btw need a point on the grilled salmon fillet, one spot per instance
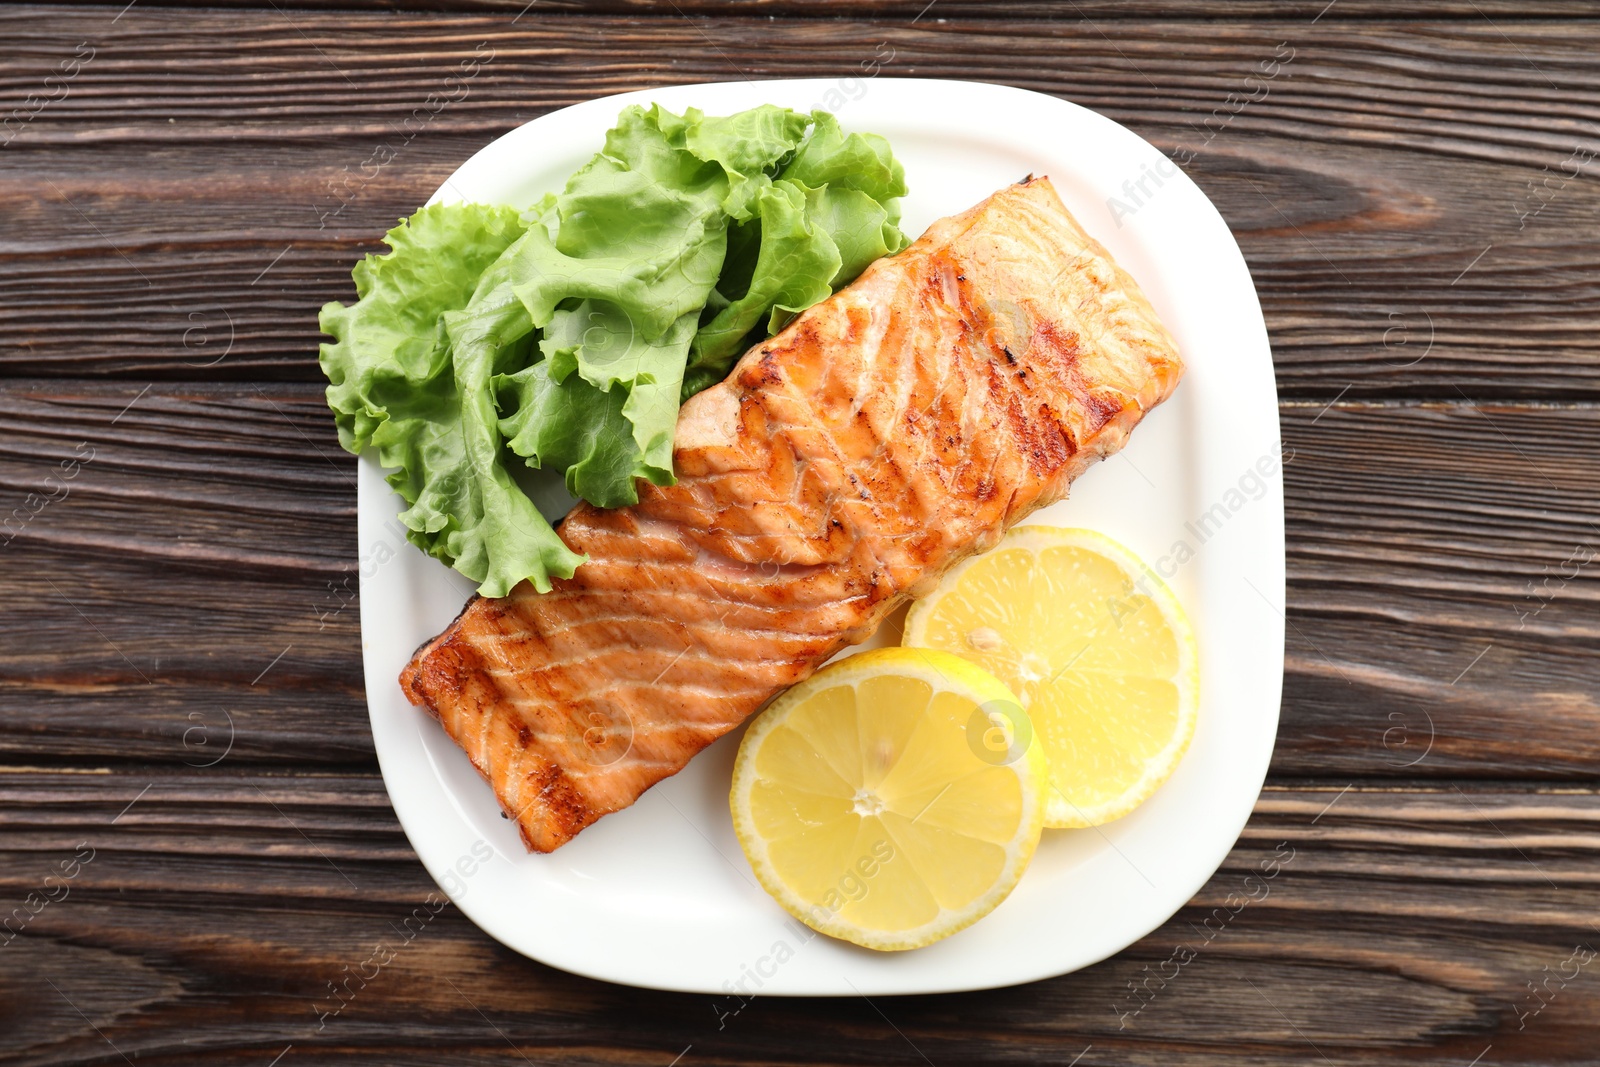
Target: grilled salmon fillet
(844, 465)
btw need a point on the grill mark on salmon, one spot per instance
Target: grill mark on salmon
(844, 465)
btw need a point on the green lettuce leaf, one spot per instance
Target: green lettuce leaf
(794, 262)
(390, 347)
(409, 375)
(832, 210)
(859, 161)
(561, 421)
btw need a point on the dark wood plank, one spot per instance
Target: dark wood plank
(183, 208)
(212, 537)
(1444, 568)
(166, 546)
(918, 10)
(1367, 926)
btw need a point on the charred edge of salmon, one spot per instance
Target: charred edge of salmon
(445, 669)
(441, 670)
(563, 806)
(411, 676)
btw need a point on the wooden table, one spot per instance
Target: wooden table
(195, 839)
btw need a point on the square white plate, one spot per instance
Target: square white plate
(660, 895)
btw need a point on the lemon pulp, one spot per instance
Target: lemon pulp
(892, 799)
(1095, 646)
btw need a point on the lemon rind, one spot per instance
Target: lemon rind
(940, 669)
(1061, 813)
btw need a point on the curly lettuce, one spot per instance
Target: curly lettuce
(563, 338)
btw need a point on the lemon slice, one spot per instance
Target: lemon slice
(892, 798)
(1094, 644)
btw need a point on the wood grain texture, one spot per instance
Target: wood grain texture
(180, 679)
(918, 10)
(1410, 553)
(210, 911)
(1398, 190)
(1444, 569)
(166, 546)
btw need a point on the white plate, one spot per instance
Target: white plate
(660, 895)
